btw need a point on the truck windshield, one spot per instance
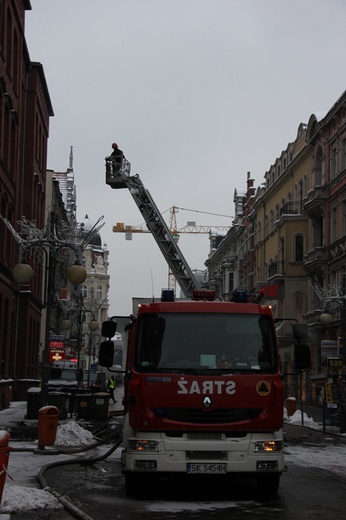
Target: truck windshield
(200, 341)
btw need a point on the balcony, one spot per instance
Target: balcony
(292, 207)
(315, 260)
(276, 269)
(314, 202)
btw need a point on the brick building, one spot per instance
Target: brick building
(25, 109)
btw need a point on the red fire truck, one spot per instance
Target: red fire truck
(203, 392)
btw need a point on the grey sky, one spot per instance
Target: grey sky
(195, 92)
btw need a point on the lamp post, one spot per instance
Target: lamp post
(55, 242)
(326, 319)
(93, 325)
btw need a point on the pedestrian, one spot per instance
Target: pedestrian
(117, 157)
(111, 387)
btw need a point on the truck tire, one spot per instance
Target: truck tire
(268, 485)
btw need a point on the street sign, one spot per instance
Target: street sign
(335, 362)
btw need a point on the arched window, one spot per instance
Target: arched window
(299, 304)
(299, 248)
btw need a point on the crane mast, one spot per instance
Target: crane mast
(117, 177)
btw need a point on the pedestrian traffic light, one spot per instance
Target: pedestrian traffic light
(106, 354)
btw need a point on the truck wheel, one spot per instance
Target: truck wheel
(268, 485)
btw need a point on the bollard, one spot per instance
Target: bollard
(4, 456)
(291, 406)
(48, 417)
(10, 395)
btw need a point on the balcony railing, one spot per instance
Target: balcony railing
(315, 259)
(276, 268)
(292, 207)
(315, 200)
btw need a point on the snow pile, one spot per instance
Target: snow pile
(18, 499)
(24, 467)
(71, 434)
(296, 418)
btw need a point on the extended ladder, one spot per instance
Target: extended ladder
(118, 176)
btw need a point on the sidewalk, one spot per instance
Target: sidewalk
(23, 495)
(24, 467)
(307, 428)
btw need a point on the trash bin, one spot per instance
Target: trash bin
(100, 405)
(291, 406)
(48, 417)
(4, 455)
(83, 406)
(60, 400)
(33, 404)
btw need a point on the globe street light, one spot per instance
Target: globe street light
(55, 242)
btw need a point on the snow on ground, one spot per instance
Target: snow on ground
(328, 457)
(332, 458)
(23, 493)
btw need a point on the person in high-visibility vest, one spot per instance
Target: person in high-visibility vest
(111, 387)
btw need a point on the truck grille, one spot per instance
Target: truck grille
(206, 455)
(215, 416)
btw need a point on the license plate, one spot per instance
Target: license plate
(198, 468)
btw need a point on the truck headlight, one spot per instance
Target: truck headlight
(268, 446)
(143, 445)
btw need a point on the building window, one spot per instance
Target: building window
(266, 225)
(333, 225)
(230, 282)
(99, 292)
(84, 291)
(332, 164)
(343, 217)
(282, 255)
(271, 220)
(299, 248)
(299, 306)
(343, 155)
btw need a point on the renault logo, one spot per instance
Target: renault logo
(207, 402)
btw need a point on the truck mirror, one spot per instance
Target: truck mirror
(109, 328)
(106, 354)
(302, 356)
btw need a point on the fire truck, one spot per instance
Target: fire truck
(203, 389)
(203, 392)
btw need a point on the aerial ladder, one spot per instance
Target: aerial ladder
(191, 228)
(117, 177)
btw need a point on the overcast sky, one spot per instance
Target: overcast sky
(195, 92)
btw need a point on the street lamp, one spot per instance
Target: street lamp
(93, 325)
(326, 320)
(55, 242)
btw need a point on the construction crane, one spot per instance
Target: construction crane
(118, 177)
(190, 228)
